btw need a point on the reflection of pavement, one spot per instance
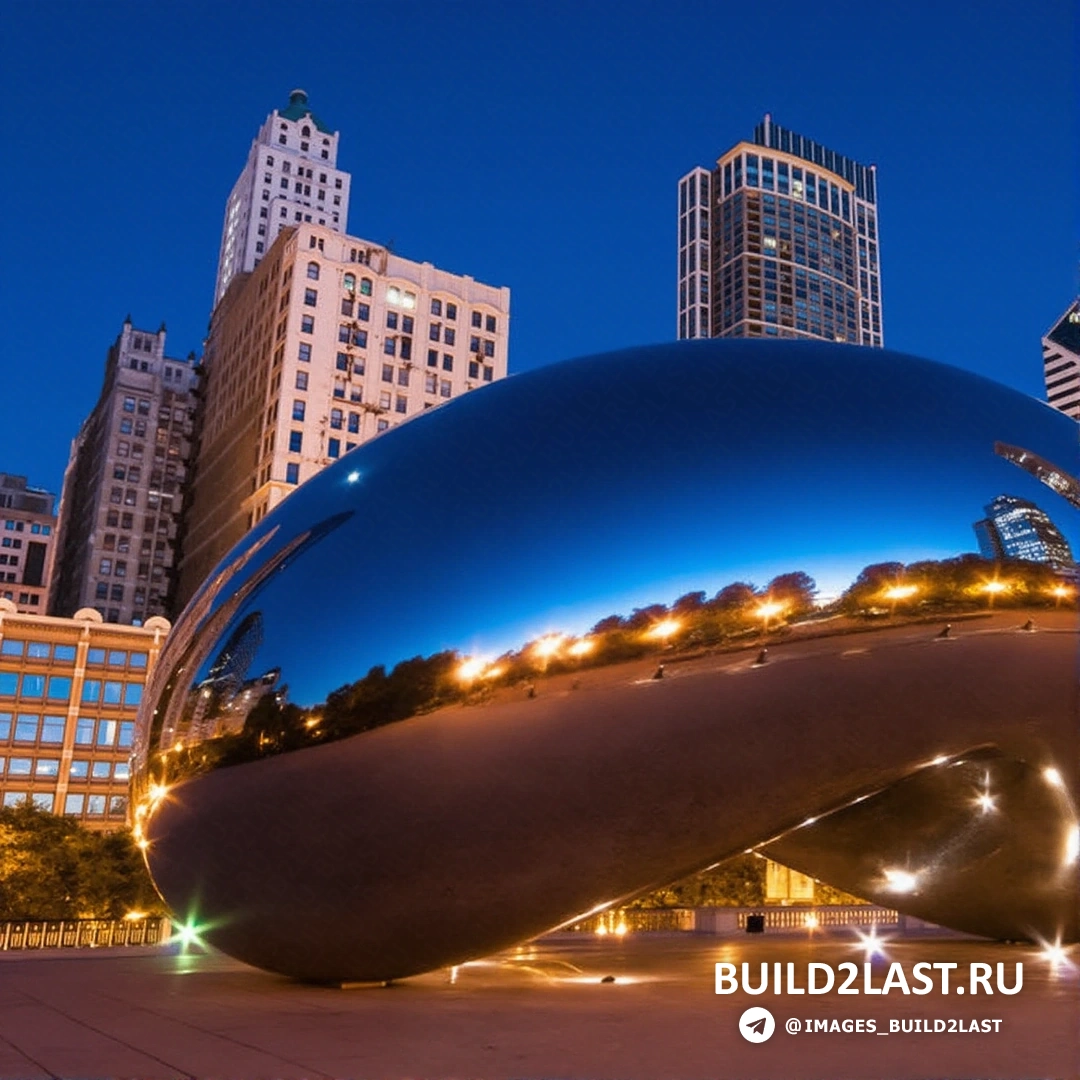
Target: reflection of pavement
(538, 1011)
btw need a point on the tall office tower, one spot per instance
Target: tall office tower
(781, 240)
(1061, 362)
(290, 178)
(27, 531)
(1017, 529)
(123, 487)
(328, 342)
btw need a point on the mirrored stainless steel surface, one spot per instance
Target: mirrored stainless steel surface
(492, 670)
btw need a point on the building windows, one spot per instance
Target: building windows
(365, 286)
(307, 324)
(444, 388)
(333, 448)
(299, 407)
(313, 271)
(292, 473)
(302, 379)
(451, 311)
(311, 297)
(363, 312)
(434, 331)
(477, 319)
(391, 320)
(303, 353)
(448, 334)
(388, 373)
(390, 346)
(403, 376)
(354, 423)
(474, 369)
(382, 425)
(296, 442)
(384, 399)
(401, 404)
(489, 373)
(337, 418)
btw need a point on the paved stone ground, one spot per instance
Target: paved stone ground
(541, 1011)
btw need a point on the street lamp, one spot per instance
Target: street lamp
(992, 588)
(1059, 593)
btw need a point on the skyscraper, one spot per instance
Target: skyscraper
(330, 341)
(1017, 529)
(1061, 362)
(290, 177)
(780, 239)
(124, 485)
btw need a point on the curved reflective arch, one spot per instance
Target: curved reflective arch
(462, 687)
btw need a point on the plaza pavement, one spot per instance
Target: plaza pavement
(539, 1011)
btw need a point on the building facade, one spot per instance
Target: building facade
(69, 693)
(124, 484)
(1061, 362)
(27, 534)
(330, 341)
(780, 239)
(290, 177)
(1015, 528)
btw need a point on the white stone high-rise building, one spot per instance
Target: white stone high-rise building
(330, 341)
(290, 178)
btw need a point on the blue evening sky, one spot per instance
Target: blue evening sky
(530, 145)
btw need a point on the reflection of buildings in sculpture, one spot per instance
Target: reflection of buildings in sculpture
(1055, 478)
(787, 244)
(1061, 362)
(1017, 529)
(223, 699)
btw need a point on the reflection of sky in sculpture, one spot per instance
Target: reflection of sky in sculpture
(577, 491)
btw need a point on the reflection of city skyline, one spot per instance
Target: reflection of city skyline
(1016, 528)
(793, 456)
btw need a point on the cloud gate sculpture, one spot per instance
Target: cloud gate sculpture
(426, 709)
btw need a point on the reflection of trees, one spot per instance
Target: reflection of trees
(953, 584)
(691, 623)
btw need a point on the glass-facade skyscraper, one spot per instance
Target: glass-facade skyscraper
(780, 239)
(1017, 529)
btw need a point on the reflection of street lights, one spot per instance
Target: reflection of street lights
(992, 588)
(1059, 593)
(663, 630)
(766, 611)
(898, 592)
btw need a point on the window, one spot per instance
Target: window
(354, 423)
(431, 383)
(474, 369)
(406, 348)
(47, 767)
(26, 727)
(95, 804)
(477, 319)
(388, 373)
(436, 307)
(347, 306)
(447, 362)
(73, 804)
(313, 271)
(434, 331)
(401, 404)
(59, 688)
(311, 297)
(363, 312)
(489, 348)
(342, 361)
(105, 566)
(296, 442)
(448, 335)
(474, 344)
(451, 311)
(111, 695)
(333, 448)
(489, 324)
(433, 358)
(391, 320)
(365, 286)
(307, 324)
(91, 691)
(303, 354)
(298, 409)
(403, 376)
(127, 734)
(292, 473)
(489, 373)
(390, 346)
(133, 693)
(444, 388)
(337, 418)
(301, 380)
